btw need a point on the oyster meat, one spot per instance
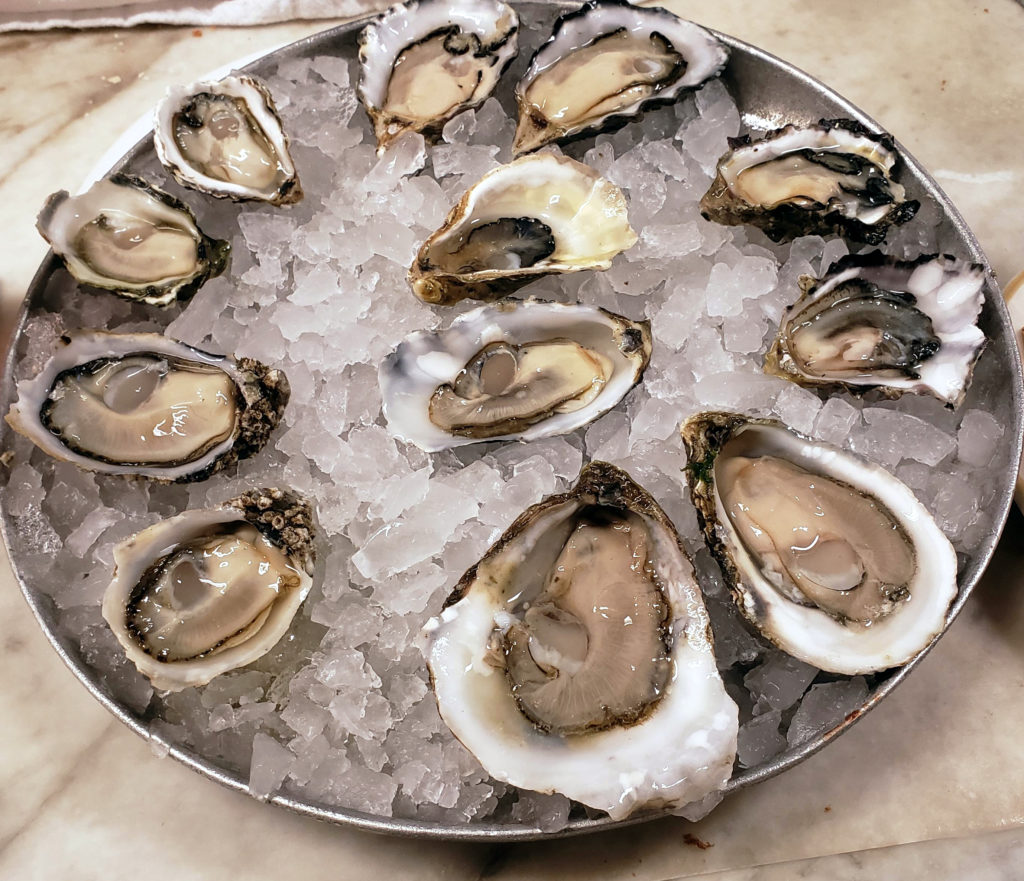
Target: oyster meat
(876, 322)
(210, 590)
(576, 656)
(605, 63)
(143, 404)
(514, 370)
(225, 139)
(833, 177)
(125, 235)
(537, 215)
(831, 558)
(424, 61)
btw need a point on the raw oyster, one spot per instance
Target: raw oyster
(833, 177)
(830, 557)
(514, 370)
(876, 322)
(606, 63)
(127, 236)
(424, 61)
(225, 138)
(537, 215)
(576, 656)
(143, 404)
(211, 590)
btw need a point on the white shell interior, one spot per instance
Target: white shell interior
(704, 54)
(587, 214)
(86, 346)
(810, 634)
(677, 755)
(131, 559)
(400, 26)
(71, 213)
(425, 360)
(950, 292)
(169, 153)
(793, 139)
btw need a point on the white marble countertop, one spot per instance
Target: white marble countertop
(928, 785)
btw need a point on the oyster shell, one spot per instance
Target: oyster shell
(833, 177)
(604, 64)
(514, 370)
(576, 656)
(143, 404)
(225, 139)
(876, 322)
(424, 61)
(211, 590)
(831, 558)
(125, 235)
(537, 215)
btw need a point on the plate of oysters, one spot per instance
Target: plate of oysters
(504, 421)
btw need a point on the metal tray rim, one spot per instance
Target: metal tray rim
(496, 831)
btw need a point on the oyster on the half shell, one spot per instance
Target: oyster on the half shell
(210, 590)
(605, 63)
(830, 557)
(876, 322)
(144, 404)
(125, 235)
(576, 656)
(424, 61)
(832, 177)
(225, 139)
(537, 215)
(512, 371)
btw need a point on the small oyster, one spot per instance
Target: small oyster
(537, 215)
(514, 370)
(876, 322)
(424, 61)
(576, 656)
(210, 590)
(607, 62)
(833, 177)
(143, 404)
(829, 557)
(127, 236)
(225, 138)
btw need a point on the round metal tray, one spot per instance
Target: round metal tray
(769, 93)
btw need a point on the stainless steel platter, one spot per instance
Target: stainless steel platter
(770, 93)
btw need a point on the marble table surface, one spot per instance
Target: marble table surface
(927, 786)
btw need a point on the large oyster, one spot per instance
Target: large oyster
(211, 590)
(514, 370)
(143, 404)
(576, 656)
(424, 61)
(876, 322)
(830, 557)
(225, 138)
(127, 236)
(537, 215)
(607, 62)
(833, 177)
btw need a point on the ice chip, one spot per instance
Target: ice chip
(824, 707)
(270, 765)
